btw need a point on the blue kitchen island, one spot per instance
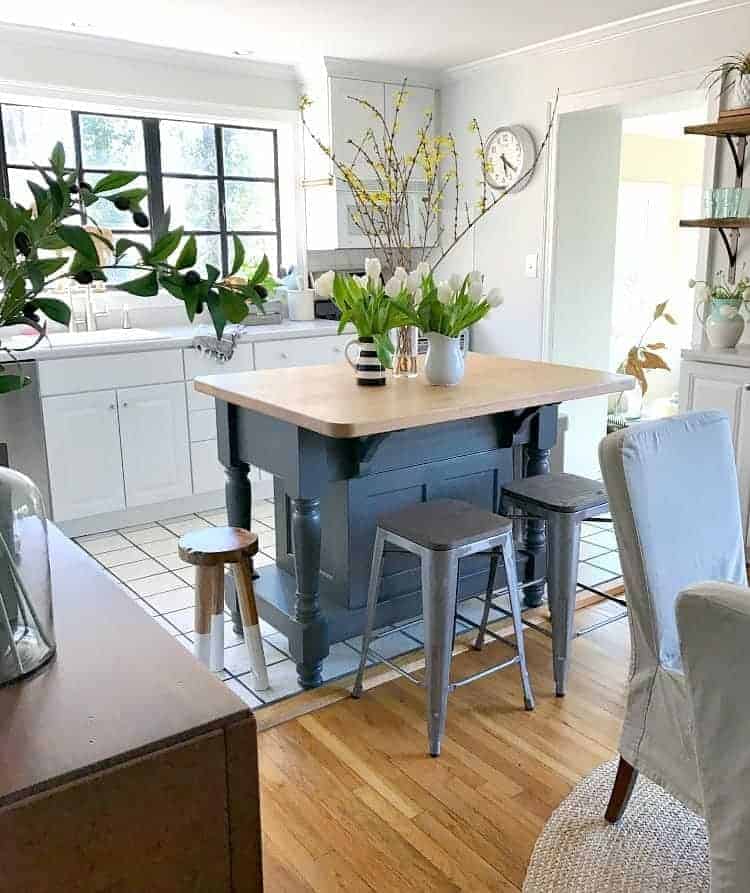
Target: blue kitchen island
(342, 455)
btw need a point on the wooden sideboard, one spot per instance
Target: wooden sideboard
(124, 764)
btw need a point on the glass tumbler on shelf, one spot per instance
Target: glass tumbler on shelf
(405, 356)
(27, 636)
(709, 203)
(743, 206)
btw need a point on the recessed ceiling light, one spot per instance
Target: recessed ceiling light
(243, 52)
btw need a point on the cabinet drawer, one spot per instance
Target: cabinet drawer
(300, 351)
(197, 363)
(203, 425)
(77, 374)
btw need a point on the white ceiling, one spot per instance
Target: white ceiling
(437, 34)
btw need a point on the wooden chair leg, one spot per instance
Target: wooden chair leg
(625, 781)
(216, 663)
(204, 609)
(243, 574)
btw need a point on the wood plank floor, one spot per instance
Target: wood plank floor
(351, 801)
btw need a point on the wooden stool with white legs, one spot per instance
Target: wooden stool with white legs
(208, 551)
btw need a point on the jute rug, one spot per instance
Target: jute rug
(659, 845)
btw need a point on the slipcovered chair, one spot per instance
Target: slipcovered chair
(674, 500)
(714, 625)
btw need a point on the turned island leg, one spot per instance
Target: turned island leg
(305, 524)
(537, 456)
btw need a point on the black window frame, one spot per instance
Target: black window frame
(155, 176)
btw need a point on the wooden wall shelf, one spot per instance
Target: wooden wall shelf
(738, 125)
(718, 223)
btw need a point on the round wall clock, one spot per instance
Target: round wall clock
(510, 153)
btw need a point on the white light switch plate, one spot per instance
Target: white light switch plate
(532, 266)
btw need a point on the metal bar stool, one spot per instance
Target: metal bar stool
(209, 550)
(440, 533)
(563, 501)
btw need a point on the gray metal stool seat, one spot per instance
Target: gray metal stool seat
(563, 501)
(440, 533)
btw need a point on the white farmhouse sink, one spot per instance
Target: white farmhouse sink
(106, 336)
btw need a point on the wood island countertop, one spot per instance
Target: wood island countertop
(327, 399)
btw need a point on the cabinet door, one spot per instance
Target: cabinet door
(83, 454)
(155, 451)
(411, 118)
(351, 120)
(742, 452)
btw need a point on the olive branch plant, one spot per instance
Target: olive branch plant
(29, 235)
(382, 208)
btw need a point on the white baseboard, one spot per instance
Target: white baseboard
(157, 512)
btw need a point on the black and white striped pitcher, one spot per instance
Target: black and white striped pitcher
(368, 369)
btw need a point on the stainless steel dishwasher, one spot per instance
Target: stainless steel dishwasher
(22, 429)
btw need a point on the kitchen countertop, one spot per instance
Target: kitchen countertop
(117, 341)
(736, 356)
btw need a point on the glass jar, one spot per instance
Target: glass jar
(27, 636)
(405, 356)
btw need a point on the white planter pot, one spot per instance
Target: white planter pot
(740, 98)
(444, 365)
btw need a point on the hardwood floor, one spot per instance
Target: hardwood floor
(351, 801)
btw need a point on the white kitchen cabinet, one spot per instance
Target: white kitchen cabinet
(351, 120)
(727, 388)
(300, 351)
(154, 437)
(83, 454)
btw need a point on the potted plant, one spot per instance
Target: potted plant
(364, 303)
(642, 358)
(720, 310)
(56, 223)
(442, 311)
(733, 72)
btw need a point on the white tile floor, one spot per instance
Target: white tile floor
(144, 558)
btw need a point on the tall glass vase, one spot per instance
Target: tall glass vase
(405, 357)
(27, 638)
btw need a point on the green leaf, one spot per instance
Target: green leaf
(10, 383)
(133, 196)
(217, 317)
(122, 245)
(239, 254)
(52, 243)
(80, 240)
(56, 310)
(165, 246)
(188, 255)
(261, 271)
(41, 195)
(212, 274)
(144, 286)
(233, 305)
(57, 159)
(115, 180)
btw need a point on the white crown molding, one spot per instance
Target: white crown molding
(92, 45)
(377, 71)
(589, 37)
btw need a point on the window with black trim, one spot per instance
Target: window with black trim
(218, 180)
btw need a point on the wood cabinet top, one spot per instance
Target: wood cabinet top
(119, 687)
(328, 400)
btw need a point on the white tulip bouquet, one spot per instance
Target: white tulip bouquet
(449, 307)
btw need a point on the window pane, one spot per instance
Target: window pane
(248, 153)
(115, 143)
(209, 252)
(251, 205)
(194, 203)
(131, 256)
(187, 148)
(31, 133)
(255, 248)
(106, 214)
(18, 182)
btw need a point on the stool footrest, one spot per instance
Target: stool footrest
(487, 672)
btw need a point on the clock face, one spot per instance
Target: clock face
(510, 152)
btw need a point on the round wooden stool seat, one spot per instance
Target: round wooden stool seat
(217, 545)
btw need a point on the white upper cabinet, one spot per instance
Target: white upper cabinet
(351, 120)
(83, 453)
(155, 451)
(411, 119)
